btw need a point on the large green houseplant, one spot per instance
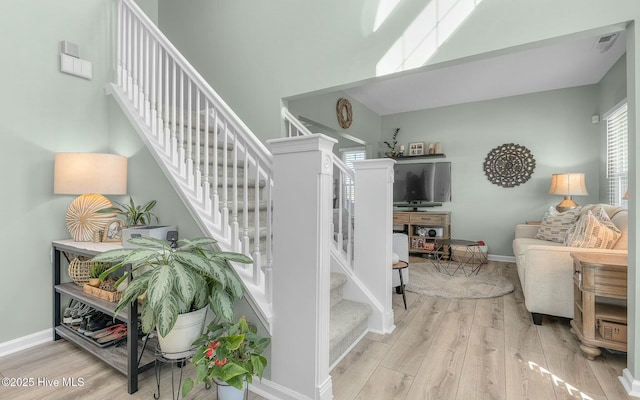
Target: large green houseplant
(175, 281)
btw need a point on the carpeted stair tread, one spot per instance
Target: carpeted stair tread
(348, 322)
(337, 282)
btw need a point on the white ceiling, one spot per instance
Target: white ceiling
(561, 65)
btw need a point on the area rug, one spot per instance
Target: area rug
(425, 279)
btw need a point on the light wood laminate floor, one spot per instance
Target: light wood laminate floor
(440, 349)
(453, 349)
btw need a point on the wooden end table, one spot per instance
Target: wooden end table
(603, 275)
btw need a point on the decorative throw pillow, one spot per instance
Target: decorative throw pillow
(554, 226)
(595, 231)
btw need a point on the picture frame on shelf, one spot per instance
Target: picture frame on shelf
(416, 149)
(113, 231)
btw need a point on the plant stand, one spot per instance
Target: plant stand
(179, 363)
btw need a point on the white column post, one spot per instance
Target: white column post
(631, 375)
(302, 193)
(373, 228)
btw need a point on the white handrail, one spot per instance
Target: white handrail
(343, 207)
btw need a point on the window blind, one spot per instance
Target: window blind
(349, 156)
(353, 154)
(617, 154)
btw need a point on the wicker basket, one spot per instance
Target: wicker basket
(80, 270)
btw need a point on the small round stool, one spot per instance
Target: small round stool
(399, 266)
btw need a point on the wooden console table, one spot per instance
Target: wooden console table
(423, 228)
(603, 275)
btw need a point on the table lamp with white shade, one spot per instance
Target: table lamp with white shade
(90, 175)
(567, 185)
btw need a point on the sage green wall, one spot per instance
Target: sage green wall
(500, 24)
(613, 89)
(255, 54)
(321, 108)
(43, 111)
(554, 125)
(150, 7)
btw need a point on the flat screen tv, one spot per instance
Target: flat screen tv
(424, 184)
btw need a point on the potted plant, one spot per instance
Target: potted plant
(229, 354)
(134, 215)
(392, 146)
(94, 273)
(176, 285)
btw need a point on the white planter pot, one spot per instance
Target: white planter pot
(227, 392)
(187, 329)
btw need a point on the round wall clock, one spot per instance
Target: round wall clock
(509, 165)
(344, 113)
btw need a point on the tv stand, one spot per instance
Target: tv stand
(423, 228)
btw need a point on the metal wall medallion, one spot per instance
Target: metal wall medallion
(509, 165)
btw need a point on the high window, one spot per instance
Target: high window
(617, 154)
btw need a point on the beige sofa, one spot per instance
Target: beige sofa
(545, 268)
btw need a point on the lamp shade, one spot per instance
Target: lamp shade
(81, 173)
(569, 184)
(90, 175)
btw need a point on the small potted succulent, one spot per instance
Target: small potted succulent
(230, 354)
(176, 286)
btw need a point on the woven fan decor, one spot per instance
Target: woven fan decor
(82, 218)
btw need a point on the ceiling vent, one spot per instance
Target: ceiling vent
(605, 42)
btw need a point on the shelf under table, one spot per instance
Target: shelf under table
(107, 307)
(116, 356)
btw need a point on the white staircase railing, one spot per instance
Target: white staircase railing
(217, 165)
(367, 269)
(224, 176)
(343, 196)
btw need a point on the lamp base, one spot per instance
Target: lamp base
(566, 204)
(82, 218)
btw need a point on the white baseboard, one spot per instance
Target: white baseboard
(325, 390)
(25, 342)
(509, 259)
(631, 385)
(272, 391)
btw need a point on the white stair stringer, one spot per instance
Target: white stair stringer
(207, 217)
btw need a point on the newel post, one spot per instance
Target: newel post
(303, 170)
(373, 229)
